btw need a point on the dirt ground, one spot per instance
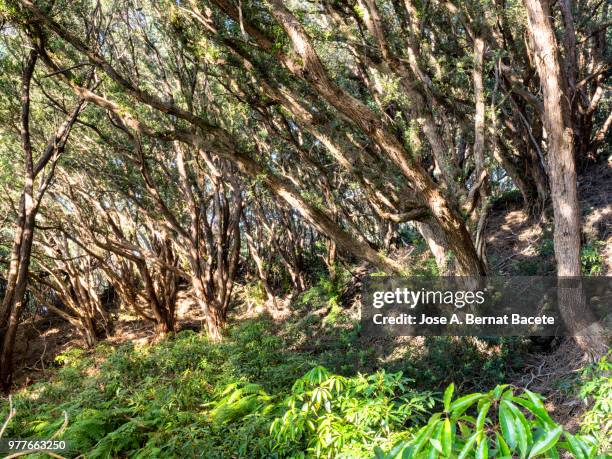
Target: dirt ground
(518, 244)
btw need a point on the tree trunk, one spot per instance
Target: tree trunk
(558, 121)
(561, 161)
(88, 331)
(438, 246)
(15, 294)
(215, 321)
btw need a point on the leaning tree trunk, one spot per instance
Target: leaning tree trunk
(561, 162)
(15, 294)
(14, 300)
(438, 245)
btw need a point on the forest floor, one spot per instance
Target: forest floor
(517, 245)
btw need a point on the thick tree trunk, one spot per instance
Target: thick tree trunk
(533, 188)
(481, 181)
(438, 246)
(13, 270)
(88, 330)
(215, 322)
(561, 161)
(558, 121)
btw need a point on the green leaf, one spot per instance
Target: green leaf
(539, 410)
(503, 446)
(459, 406)
(464, 429)
(498, 391)
(468, 446)
(379, 453)
(523, 429)
(436, 444)
(508, 428)
(447, 438)
(546, 442)
(482, 415)
(422, 437)
(554, 454)
(518, 414)
(399, 448)
(433, 453)
(448, 395)
(483, 449)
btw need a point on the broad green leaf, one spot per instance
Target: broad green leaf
(423, 437)
(539, 409)
(482, 415)
(483, 449)
(508, 427)
(523, 432)
(523, 420)
(448, 395)
(468, 446)
(436, 444)
(408, 453)
(459, 406)
(503, 446)
(548, 440)
(433, 453)
(588, 445)
(399, 448)
(447, 438)
(498, 391)
(436, 437)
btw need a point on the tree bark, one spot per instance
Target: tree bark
(15, 294)
(438, 245)
(561, 160)
(558, 121)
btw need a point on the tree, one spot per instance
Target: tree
(561, 156)
(37, 171)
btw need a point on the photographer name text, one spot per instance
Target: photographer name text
(467, 319)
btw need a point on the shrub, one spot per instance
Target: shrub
(332, 416)
(494, 424)
(596, 389)
(592, 261)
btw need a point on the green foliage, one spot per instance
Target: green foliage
(596, 390)
(498, 423)
(591, 260)
(547, 248)
(327, 292)
(507, 199)
(249, 396)
(238, 401)
(332, 416)
(480, 362)
(253, 293)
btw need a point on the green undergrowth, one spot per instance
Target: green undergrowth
(308, 388)
(595, 389)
